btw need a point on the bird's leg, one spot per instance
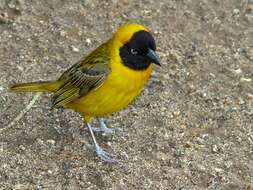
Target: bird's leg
(103, 128)
(103, 155)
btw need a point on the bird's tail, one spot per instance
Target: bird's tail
(45, 86)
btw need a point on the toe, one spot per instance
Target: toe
(105, 156)
(96, 129)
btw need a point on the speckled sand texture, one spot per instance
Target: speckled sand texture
(192, 127)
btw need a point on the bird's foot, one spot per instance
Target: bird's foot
(103, 155)
(103, 129)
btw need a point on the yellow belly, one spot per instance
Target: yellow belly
(119, 89)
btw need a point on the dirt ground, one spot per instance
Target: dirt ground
(192, 127)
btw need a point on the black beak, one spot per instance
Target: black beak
(153, 57)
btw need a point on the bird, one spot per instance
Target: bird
(105, 81)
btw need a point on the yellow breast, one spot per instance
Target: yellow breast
(119, 89)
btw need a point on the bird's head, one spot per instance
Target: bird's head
(138, 48)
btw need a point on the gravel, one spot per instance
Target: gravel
(192, 127)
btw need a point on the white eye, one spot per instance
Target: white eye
(134, 51)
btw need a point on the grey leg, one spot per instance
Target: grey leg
(102, 128)
(103, 155)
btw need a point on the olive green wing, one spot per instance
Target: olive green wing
(86, 75)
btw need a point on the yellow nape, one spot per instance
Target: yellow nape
(126, 31)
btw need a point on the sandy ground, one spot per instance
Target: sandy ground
(192, 127)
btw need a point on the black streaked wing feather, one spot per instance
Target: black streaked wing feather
(86, 75)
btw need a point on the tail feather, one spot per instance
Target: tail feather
(45, 86)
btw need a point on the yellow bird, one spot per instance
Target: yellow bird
(105, 81)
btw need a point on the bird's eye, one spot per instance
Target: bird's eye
(134, 51)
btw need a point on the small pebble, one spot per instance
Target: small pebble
(241, 101)
(245, 79)
(88, 41)
(237, 71)
(216, 21)
(176, 113)
(22, 147)
(236, 12)
(250, 8)
(4, 18)
(215, 149)
(63, 33)
(250, 52)
(51, 141)
(212, 75)
(250, 95)
(74, 49)
(218, 170)
(170, 116)
(188, 144)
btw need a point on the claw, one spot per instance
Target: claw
(103, 155)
